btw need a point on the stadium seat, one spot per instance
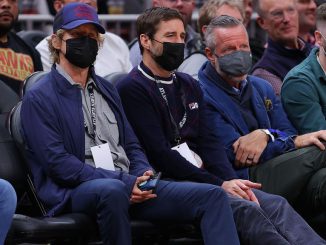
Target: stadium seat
(115, 77)
(32, 37)
(33, 227)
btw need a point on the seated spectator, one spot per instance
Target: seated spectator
(307, 19)
(248, 119)
(185, 7)
(8, 201)
(84, 156)
(285, 49)
(167, 112)
(113, 55)
(303, 91)
(17, 59)
(207, 12)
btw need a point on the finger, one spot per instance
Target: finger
(248, 163)
(142, 178)
(242, 193)
(235, 146)
(250, 184)
(242, 185)
(233, 193)
(256, 158)
(319, 144)
(135, 199)
(244, 157)
(240, 158)
(252, 196)
(148, 173)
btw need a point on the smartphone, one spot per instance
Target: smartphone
(151, 183)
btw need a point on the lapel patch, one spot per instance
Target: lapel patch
(193, 106)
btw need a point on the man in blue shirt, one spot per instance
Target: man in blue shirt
(247, 117)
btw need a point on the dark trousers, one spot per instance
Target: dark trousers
(297, 175)
(108, 201)
(273, 222)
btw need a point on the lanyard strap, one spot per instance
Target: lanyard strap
(176, 127)
(92, 112)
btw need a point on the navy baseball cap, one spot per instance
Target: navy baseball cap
(73, 15)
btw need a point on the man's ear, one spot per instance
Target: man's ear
(203, 29)
(210, 55)
(319, 38)
(145, 41)
(261, 22)
(56, 41)
(57, 5)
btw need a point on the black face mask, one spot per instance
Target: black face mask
(172, 55)
(81, 51)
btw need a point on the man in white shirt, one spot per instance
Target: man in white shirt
(113, 55)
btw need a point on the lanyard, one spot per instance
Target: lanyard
(176, 127)
(93, 111)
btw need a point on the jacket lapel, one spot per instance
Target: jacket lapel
(225, 106)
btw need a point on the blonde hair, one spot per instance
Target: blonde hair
(208, 11)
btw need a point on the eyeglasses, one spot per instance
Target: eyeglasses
(183, 1)
(278, 15)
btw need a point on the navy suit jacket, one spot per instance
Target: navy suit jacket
(226, 121)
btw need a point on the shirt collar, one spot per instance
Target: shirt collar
(63, 73)
(148, 73)
(243, 84)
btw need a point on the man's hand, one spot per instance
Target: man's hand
(137, 195)
(314, 138)
(249, 148)
(242, 189)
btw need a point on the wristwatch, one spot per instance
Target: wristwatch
(269, 134)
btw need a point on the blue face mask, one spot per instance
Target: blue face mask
(235, 64)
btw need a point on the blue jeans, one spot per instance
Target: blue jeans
(8, 201)
(273, 222)
(107, 200)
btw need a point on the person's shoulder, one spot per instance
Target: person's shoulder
(188, 80)
(260, 84)
(306, 68)
(17, 40)
(41, 89)
(43, 44)
(114, 39)
(133, 79)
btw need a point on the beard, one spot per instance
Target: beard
(6, 27)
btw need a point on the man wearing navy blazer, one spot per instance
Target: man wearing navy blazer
(248, 119)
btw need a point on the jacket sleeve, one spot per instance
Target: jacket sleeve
(281, 128)
(146, 121)
(303, 104)
(46, 147)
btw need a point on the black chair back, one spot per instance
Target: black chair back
(32, 37)
(115, 77)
